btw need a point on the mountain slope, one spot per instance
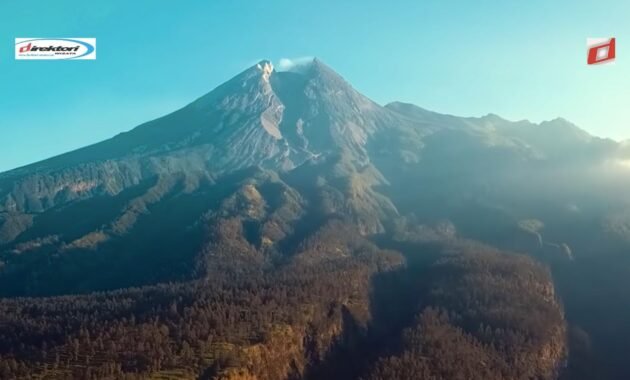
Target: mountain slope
(260, 117)
(170, 173)
(341, 154)
(273, 180)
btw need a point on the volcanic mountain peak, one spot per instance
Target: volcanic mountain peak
(261, 117)
(276, 120)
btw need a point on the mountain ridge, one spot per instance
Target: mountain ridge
(277, 120)
(316, 68)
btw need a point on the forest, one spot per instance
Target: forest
(340, 307)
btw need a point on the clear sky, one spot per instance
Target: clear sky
(518, 59)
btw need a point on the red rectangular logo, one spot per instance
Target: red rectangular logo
(600, 50)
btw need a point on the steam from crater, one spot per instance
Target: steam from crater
(294, 64)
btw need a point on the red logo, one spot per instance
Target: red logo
(600, 50)
(25, 48)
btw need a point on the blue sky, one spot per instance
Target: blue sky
(518, 59)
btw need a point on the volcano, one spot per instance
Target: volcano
(292, 188)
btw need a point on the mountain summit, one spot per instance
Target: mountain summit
(262, 117)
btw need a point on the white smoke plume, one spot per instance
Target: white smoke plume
(293, 64)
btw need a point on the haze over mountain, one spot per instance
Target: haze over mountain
(292, 179)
